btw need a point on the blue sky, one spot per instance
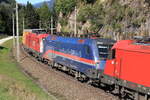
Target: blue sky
(31, 1)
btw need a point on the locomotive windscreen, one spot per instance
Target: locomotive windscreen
(39, 31)
(104, 50)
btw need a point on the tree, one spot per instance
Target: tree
(2, 24)
(89, 1)
(7, 1)
(45, 16)
(31, 17)
(65, 6)
(21, 18)
(6, 11)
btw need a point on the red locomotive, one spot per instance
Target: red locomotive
(129, 66)
(32, 38)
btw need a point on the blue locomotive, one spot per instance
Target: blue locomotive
(86, 57)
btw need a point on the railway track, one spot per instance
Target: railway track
(78, 90)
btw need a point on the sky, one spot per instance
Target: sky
(31, 1)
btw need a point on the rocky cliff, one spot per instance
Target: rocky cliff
(117, 19)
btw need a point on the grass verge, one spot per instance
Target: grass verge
(14, 85)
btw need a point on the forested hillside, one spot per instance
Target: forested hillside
(118, 19)
(6, 9)
(32, 17)
(50, 4)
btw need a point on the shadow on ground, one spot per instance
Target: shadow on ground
(1, 48)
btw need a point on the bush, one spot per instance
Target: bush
(85, 13)
(65, 6)
(63, 21)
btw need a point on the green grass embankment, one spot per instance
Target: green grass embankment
(14, 85)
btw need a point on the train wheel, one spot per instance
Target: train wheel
(89, 82)
(136, 96)
(140, 97)
(116, 89)
(76, 75)
(123, 94)
(148, 97)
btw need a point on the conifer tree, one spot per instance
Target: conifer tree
(45, 16)
(31, 17)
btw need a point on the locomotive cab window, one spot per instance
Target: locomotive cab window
(112, 54)
(39, 31)
(87, 50)
(42, 31)
(104, 50)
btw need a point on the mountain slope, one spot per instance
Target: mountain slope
(50, 4)
(7, 1)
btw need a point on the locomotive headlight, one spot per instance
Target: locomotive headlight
(113, 62)
(41, 46)
(97, 65)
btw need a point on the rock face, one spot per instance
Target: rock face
(121, 18)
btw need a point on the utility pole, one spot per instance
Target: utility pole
(13, 30)
(148, 30)
(40, 24)
(17, 30)
(75, 24)
(51, 25)
(148, 26)
(23, 23)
